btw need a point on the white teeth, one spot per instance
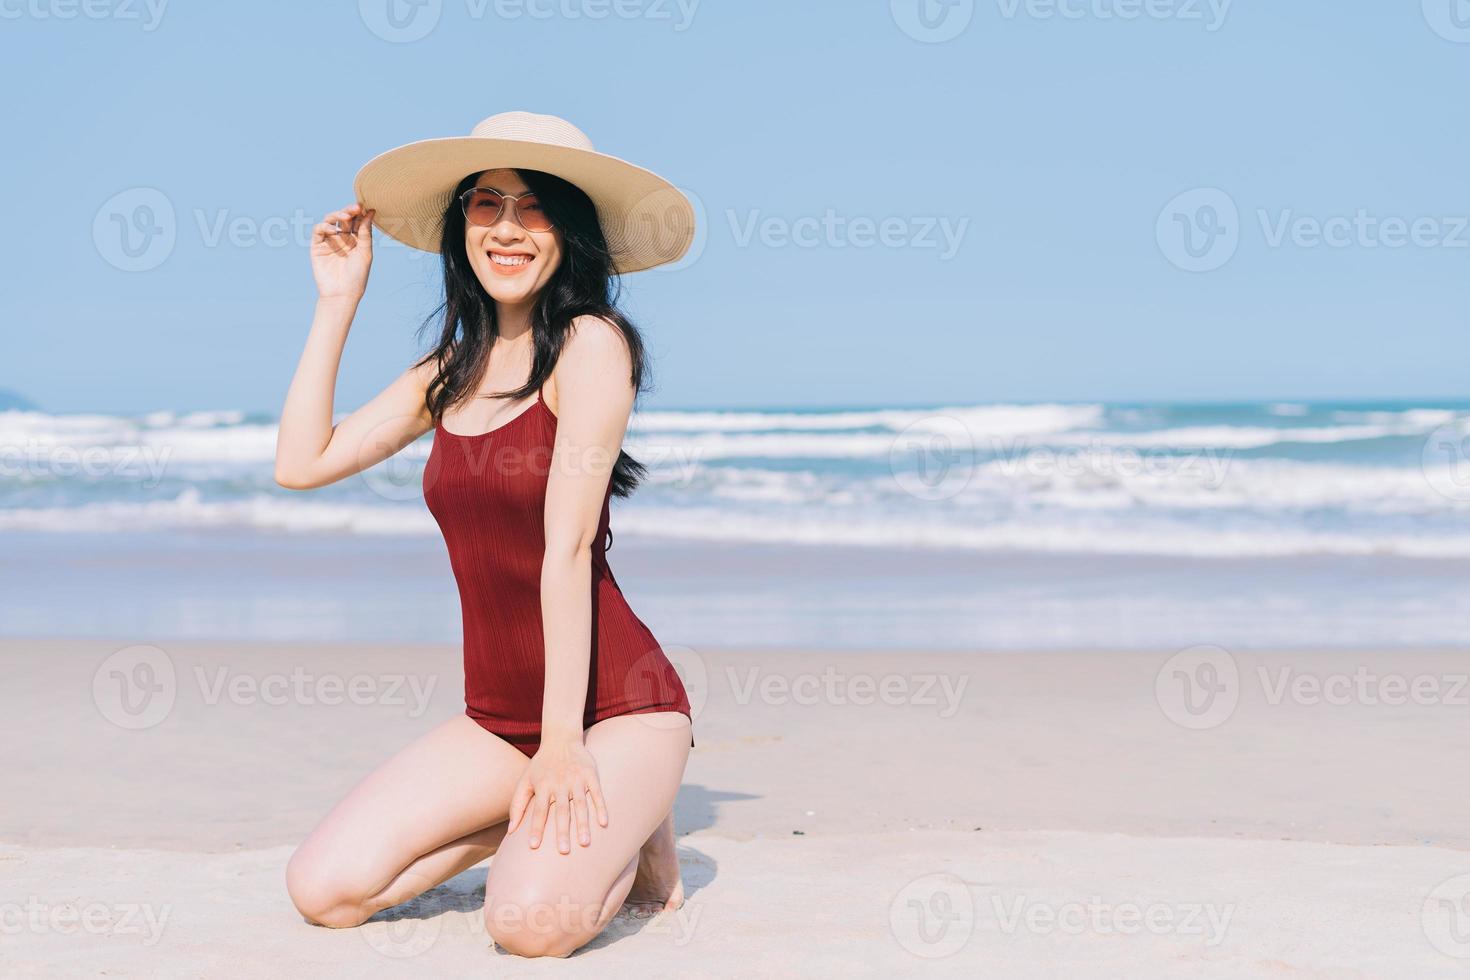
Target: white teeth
(509, 259)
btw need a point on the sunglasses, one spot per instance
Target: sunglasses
(484, 206)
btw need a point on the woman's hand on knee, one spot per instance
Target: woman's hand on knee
(559, 782)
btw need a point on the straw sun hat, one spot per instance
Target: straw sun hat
(646, 220)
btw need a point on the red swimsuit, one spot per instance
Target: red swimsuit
(488, 493)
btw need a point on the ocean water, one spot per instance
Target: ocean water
(959, 526)
(1211, 481)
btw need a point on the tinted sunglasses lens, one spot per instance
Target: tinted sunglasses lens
(533, 216)
(481, 207)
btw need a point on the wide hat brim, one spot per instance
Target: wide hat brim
(646, 220)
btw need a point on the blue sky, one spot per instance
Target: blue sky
(1078, 200)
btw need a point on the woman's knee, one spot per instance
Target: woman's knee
(324, 892)
(534, 921)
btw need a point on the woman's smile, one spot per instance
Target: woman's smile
(509, 263)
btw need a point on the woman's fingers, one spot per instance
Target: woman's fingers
(584, 825)
(518, 802)
(339, 232)
(594, 791)
(331, 243)
(353, 220)
(539, 807)
(563, 817)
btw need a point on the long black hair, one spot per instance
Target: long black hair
(585, 283)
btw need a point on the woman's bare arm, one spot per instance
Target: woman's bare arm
(310, 450)
(595, 391)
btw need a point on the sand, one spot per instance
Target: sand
(861, 814)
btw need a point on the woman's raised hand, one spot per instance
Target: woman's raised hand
(342, 253)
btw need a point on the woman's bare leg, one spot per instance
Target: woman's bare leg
(540, 902)
(436, 808)
(657, 885)
(437, 867)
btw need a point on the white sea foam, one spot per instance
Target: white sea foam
(1245, 437)
(1068, 529)
(189, 510)
(996, 419)
(710, 436)
(1261, 485)
(1074, 478)
(1412, 417)
(193, 420)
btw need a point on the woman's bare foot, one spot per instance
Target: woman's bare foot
(656, 886)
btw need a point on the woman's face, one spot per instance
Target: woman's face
(513, 264)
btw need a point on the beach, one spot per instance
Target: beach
(1048, 690)
(878, 813)
(1066, 559)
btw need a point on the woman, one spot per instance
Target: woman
(575, 724)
